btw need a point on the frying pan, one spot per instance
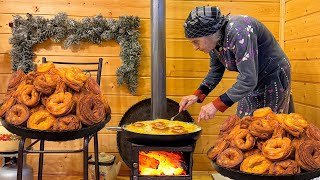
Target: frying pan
(158, 140)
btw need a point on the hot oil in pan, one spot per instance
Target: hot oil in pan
(162, 127)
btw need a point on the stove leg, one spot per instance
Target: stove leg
(85, 158)
(96, 156)
(20, 158)
(41, 160)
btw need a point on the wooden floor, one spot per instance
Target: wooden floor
(196, 176)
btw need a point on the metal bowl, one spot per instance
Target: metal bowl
(237, 174)
(51, 135)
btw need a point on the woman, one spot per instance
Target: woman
(242, 44)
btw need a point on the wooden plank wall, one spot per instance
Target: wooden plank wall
(302, 37)
(185, 67)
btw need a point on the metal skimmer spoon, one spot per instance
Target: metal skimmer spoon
(174, 116)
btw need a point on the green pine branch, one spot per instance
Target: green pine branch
(34, 30)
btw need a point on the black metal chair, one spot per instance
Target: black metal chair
(86, 138)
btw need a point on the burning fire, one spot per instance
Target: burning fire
(161, 163)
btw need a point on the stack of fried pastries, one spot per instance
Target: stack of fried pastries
(267, 143)
(53, 98)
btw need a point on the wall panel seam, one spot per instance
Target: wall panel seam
(309, 14)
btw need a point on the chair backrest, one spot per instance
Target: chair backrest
(88, 67)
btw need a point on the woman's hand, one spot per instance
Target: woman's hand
(187, 101)
(207, 112)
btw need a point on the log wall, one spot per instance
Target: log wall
(301, 44)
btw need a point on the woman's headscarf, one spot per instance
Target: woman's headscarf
(203, 21)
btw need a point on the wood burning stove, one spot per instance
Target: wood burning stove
(130, 152)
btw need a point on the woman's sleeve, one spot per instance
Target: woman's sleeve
(245, 48)
(212, 79)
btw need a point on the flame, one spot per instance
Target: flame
(161, 163)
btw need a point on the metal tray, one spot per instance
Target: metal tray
(51, 135)
(237, 174)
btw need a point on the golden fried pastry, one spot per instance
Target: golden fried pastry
(245, 122)
(75, 78)
(61, 87)
(28, 95)
(261, 128)
(313, 132)
(20, 87)
(221, 137)
(243, 140)
(92, 86)
(295, 124)
(160, 127)
(138, 124)
(46, 83)
(295, 142)
(213, 152)
(7, 105)
(14, 81)
(17, 114)
(177, 127)
(69, 122)
(256, 163)
(61, 72)
(228, 124)
(270, 116)
(262, 112)
(279, 132)
(43, 99)
(259, 144)
(77, 96)
(178, 130)
(230, 158)
(91, 110)
(233, 133)
(268, 142)
(277, 148)
(60, 104)
(280, 118)
(41, 120)
(287, 166)
(37, 108)
(157, 123)
(251, 152)
(30, 77)
(308, 155)
(45, 67)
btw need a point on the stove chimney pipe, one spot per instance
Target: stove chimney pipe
(158, 59)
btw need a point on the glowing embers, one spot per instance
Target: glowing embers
(162, 163)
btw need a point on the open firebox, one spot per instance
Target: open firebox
(159, 162)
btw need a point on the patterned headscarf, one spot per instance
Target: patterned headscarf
(203, 21)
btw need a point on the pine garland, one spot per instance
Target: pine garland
(34, 30)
